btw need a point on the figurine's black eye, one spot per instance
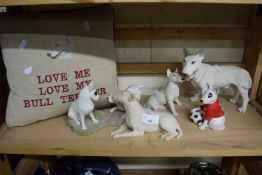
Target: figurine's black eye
(95, 92)
(210, 95)
(195, 116)
(174, 75)
(193, 62)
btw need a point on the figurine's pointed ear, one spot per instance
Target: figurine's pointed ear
(209, 86)
(176, 70)
(168, 72)
(217, 91)
(185, 51)
(91, 83)
(200, 53)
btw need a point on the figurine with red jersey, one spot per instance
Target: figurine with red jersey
(210, 114)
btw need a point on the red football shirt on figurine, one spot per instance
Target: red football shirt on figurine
(211, 111)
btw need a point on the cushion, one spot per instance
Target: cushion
(48, 64)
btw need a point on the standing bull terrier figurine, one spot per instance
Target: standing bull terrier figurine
(210, 113)
(84, 106)
(217, 76)
(167, 95)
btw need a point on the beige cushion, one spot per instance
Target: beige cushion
(45, 72)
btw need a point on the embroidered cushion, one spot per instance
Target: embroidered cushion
(50, 57)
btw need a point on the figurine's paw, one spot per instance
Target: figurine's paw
(77, 122)
(232, 100)
(175, 114)
(167, 136)
(202, 127)
(96, 121)
(178, 136)
(242, 109)
(178, 103)
(199, 124)
(115, 136)
(113, 133)
(84, 127)
(193, 98)
(164, 136)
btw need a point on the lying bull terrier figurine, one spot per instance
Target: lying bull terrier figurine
(139, 120)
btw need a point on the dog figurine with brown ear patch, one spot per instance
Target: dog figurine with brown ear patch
(139, 120)
(167, 95)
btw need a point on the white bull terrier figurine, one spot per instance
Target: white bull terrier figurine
(84, 106)
(217, 76)
(167, 95)
(140, 121)
(210, 112)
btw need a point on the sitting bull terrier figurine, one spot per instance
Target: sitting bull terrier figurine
(217, 76)
(210, 112)
(167, 95)
(84, 106)
(139, 120)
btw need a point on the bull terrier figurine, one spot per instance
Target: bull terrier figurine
(210, 113)
(139, 120)
(84, 106)
(167, 95)
(201, 74)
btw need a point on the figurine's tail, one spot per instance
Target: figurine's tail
(179, 131)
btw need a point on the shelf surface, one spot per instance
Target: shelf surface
(242, 137)
(42, 2)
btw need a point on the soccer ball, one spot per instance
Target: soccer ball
(196, 117)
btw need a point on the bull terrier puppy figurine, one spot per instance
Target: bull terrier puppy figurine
(210, 113)
(84, 106)
(139, 120)
(201, 74)
(167, 95)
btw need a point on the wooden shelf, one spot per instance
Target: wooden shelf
(42, 2)
(242, 137)
(157, 68)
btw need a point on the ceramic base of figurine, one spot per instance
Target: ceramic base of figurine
(105, 118)
(117, 118)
